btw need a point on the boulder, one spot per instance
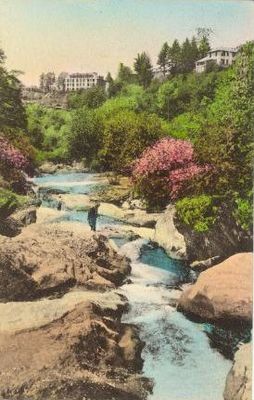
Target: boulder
(136, 217)
(168, 236)
(11, 226)
(239, 379)
(25, 216)
(223, 292)
(46, 260)
(222, 240)
(82, 352)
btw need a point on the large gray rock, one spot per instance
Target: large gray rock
(168, 236)
(239, 379)
(223, 292)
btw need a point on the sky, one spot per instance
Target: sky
(96, 35)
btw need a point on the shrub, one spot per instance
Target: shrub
(11, 157)
(199, 213)
(166, 170)
(243, 213)
(9, 201)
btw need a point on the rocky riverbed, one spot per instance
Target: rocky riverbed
(61, 334)
(70, 291)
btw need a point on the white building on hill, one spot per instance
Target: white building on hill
(222, 56)
(79, 81)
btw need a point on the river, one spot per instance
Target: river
(178, 355)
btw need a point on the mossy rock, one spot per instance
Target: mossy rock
(9, 202)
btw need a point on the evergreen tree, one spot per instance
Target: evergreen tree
(125, 74)
(163, 58)
(189, 54)
(113, 87)
(203, 35)
(143, 68)
(175, 56)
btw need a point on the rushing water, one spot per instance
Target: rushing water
(177, 354)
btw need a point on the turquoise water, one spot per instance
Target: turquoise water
(177, 355)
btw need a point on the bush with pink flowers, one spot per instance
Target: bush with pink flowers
(10, 157)
(166, 171)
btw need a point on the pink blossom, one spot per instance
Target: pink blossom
(179, 177)
(10, 156)
(165, 155)
(170, 160)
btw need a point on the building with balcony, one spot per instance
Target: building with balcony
(77, 81)
(221, 56)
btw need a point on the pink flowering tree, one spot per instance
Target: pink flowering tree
(166, 170)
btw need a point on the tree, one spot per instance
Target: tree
(125, 74)
(113, 86)
(203, 36)
(46, 81)
(163, 58)
(12, 112)
(143, 68)
(166, 168)
(126, 135)
(91, 98)
(175, 56)
(60, 80)
(85, 135)
(226, 140)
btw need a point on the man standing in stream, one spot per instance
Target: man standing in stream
(92, 216)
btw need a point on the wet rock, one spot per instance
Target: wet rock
(223, 292)
(51, 259)
(131, 216)
(168, 237)
(200, 266)
(51, 168)
(239, 379)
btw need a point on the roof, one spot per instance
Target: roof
(204, 59)
(230, 49)
(83, 75)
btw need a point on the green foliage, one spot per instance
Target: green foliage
(90, 98)
(199, 213)
(226, 140)
(9, 201)
(126, 135)
(163, 58)
(12, 113)
(143, 69)
(85, 135)
(186, 93)
(243, 212)
(186, 126)
(127, 100)
(48, 131)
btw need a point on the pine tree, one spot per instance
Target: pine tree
(175, 56)
(163, 58)
(203, 35)
(143, 68)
